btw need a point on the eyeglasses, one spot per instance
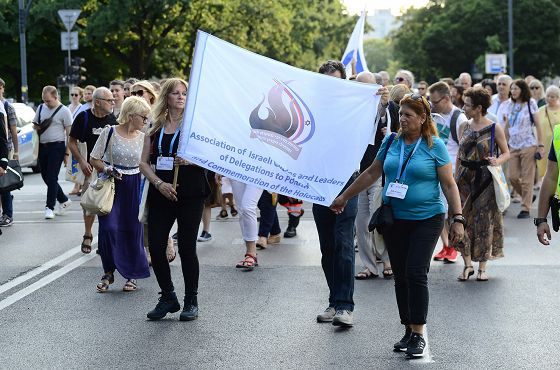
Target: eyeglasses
(137, 93)
(112, 101)
(437, 102)
(535, 88)
(74, 94)
(144, 118)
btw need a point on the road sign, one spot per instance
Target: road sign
(69, 17)
(69, 40)
(496, 63)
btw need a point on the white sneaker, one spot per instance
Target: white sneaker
(49, 214)
(343, 318)
(326, 316)
(62, 207)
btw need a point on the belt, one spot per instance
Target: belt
(121, 167)
(53, 142)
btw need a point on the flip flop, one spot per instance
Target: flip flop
(388, 273)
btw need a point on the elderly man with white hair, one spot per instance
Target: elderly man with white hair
(366, 248)
(465, 80)
(497, 108)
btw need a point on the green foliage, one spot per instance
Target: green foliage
(145, 38)
(449, 37)
(379, 53)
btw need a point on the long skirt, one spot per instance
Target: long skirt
(121, 234)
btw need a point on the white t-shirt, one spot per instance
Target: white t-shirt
(56, 131)
(498, 108)
(444, 129)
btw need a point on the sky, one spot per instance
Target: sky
(356, 6)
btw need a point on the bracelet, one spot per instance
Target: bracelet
(457, 214)
(157, 183)
(541, 146)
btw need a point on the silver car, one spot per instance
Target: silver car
(27, 137)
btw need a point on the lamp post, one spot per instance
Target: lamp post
(23, 13)
(510, 37)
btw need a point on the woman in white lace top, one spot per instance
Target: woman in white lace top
(120, 233)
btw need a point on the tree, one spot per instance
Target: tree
(379, 53)
(446, 37)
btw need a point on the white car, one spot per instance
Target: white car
(27, 137)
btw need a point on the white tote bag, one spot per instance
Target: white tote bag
(143, 209)
(503, 198)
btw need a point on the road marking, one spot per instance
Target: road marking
(43, 211)
(46, 280)
(44, 267)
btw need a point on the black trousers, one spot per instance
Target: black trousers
(410, 244)
(162, 214)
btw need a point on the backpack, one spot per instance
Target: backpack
(453, 124)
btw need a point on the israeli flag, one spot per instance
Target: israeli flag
(355, 48)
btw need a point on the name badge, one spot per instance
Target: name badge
(396, 190)
(164, 163)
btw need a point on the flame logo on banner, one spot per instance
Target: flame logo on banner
(289, 122)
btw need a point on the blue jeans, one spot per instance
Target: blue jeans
(51, 156)
(269, 224)
(7, 204)
(336, 237)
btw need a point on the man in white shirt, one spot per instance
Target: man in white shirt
(448, 120)
(465, 80)
(498, 108)
(52, 122)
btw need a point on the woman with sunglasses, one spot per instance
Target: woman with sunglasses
(144, 89)
(117, 153)
(167, 203)
(537, 92)
(415, 163)
(76, 96)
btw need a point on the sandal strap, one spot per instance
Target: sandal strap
(468, 267)
(249, 255)
(88, 237)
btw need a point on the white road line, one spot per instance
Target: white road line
(46, 280)
(44, 267)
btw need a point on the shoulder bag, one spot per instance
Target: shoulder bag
(383, 215)
(13, 178)
(45, 124)
(501, 191)
(99, 196)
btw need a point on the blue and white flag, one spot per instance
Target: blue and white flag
(355, 48)
(268, 124)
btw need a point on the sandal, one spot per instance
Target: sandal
(462, 277)
(365, 274)
(249, 262)
(86, 249)
(233, 210)
(130, 286)
(106, 280)
(388, 273)
(480, 274)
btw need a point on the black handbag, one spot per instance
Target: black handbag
(554, 205)
(13, 178)
(382, 218)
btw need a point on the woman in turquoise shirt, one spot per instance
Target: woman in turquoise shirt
(415, 166)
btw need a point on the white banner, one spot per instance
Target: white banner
(280, 128)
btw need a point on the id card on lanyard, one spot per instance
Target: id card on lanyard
(165, 163)
(397, 189)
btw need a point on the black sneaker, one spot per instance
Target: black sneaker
(168, 303)
(6, 221)
(290, 232)
(204, 237)
(415, 346)
(523, 214)
(190, 310)
(401, 345)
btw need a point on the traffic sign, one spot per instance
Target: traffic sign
(69, 40)
(69, 17)
(496, 63)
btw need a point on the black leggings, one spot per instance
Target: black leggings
(410, 244)
(162, 214)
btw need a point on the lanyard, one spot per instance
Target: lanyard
(172, 141)
(401, 173)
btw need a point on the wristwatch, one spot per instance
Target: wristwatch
(537, 221)
(460, 219)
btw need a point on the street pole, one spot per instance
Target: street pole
(510, 37)
(23, 12)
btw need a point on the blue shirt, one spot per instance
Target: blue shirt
(423, 199)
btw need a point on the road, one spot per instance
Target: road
(52, 317)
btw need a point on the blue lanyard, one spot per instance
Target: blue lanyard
(513, 120)
(401, 173)
(172, 141)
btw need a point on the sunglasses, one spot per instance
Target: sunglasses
(137, 93)
(399, 79)
(535, 88)
(74, 94)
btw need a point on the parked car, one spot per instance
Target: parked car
(27, 137)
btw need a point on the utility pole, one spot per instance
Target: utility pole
(510, 38)
(23, 13)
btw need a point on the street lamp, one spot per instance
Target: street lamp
(23, 13)
(510, 37)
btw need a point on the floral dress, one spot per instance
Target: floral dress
(483, 238)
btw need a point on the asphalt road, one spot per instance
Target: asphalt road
(52, 317)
